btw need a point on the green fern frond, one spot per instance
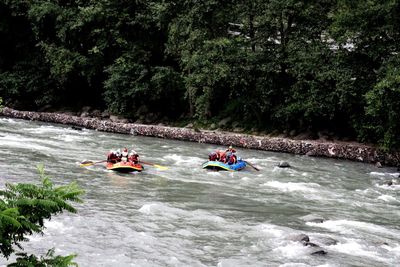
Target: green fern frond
(9, 217)
(23, 211)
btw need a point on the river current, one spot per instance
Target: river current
(188, 216)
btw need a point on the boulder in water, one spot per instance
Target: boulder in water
(283, 164)
(319, 252)
(302, 238)
(310, 244)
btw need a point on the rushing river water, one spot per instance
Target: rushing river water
(187, 216)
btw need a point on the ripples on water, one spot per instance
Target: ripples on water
(186, 216)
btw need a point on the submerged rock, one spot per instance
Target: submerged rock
(312, 218)
(305, 240)
(76, 128)
(326, 241)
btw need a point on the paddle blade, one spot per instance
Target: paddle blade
(86, 163)
(154, 165)
(160, 167)
(251, 165)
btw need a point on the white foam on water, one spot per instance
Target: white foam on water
(389, 187)
(267, 159)
(367, 191)
(212, 173)
(292, 250)
(206, 216)
(172, 213)
(21, 142)
(8, 120)
(49, 129)
(387, 198)
(381, 174)
(291, 187)
(294, 264)
(185, 233)
(350, 227)
(69, 138)
(377, 173)
(57, 226)
(272, 230)
(181, 159)
(395, 249)
(354, 248)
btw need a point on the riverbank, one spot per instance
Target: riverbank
(341, 150)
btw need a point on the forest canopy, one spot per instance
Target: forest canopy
(270, 64)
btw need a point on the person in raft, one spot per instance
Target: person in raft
(124, 155)
(217, 155)
(213, 156)
(133, 157)
(112, 156)
(231, 157)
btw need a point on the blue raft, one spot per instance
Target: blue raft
(217, 165)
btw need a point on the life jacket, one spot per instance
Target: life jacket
(124, 156)
(213, 156)
(222, 156)
(134, 158)
(111, 157)
(232, 159)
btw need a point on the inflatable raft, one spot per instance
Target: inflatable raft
(124, 167)
(217, 165)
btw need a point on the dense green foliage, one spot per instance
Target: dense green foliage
(23, 210)
(326, 65)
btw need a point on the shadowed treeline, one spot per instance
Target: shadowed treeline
(303, 66)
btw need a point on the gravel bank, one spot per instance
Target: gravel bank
(342, 150)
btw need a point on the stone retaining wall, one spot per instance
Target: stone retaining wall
(341, 150)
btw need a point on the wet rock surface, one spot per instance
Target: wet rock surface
(284, 164)
(340, 150)
(304, 239)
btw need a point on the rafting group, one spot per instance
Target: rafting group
(128, 161)
(115, 156)
(123, 161)
(224, 160)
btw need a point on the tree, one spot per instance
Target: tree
(368, 32)
(23, 211)
(383, 106)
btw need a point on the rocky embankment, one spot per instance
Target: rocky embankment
(341, 150)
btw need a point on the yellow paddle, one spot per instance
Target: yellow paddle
(154, 165)
(87, 163)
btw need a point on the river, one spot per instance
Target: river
(187, 216)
